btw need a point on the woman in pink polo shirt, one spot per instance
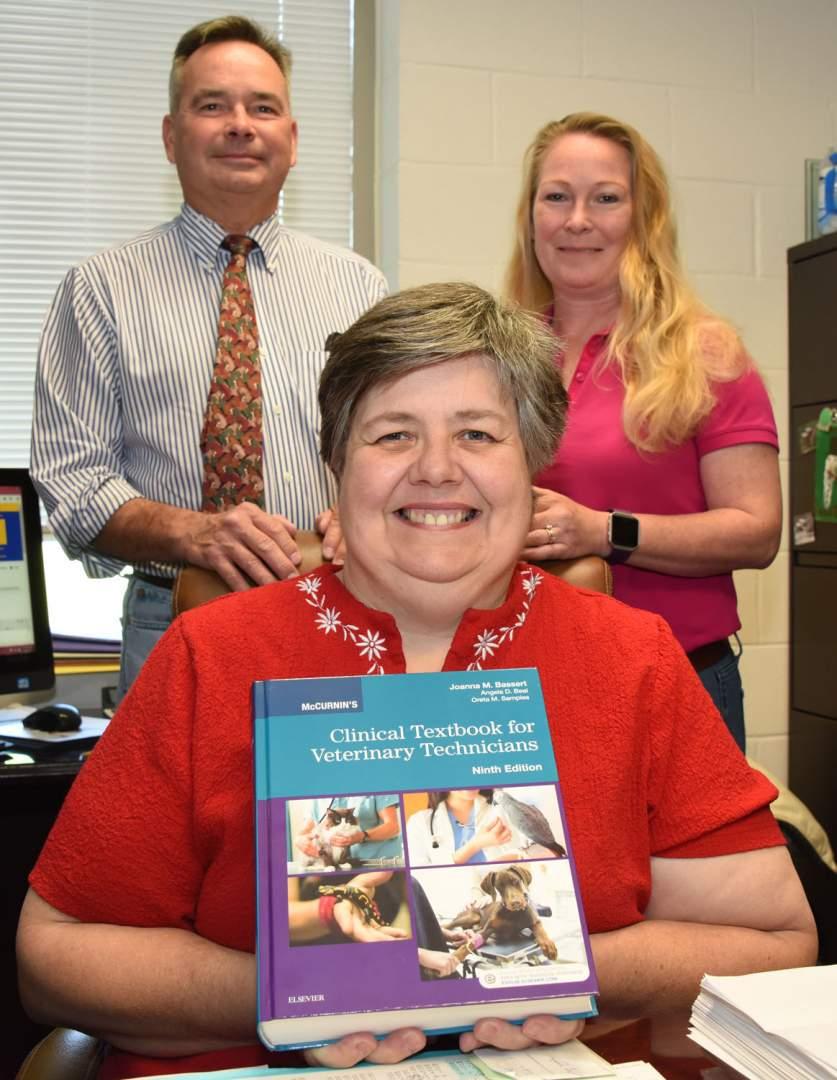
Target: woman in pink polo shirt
(669, 466)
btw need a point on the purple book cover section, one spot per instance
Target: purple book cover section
(351, 977)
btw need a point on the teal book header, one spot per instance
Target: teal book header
(354, 735)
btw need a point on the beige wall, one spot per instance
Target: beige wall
(734, 94)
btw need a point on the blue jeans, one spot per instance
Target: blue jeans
(723, 682)
(146, 615)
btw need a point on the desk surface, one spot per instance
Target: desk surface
(662, 1041)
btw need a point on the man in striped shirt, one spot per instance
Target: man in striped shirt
(128, 349)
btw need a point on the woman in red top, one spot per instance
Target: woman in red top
(438, 407)
(669, 465)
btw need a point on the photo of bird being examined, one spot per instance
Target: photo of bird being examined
(483, 825)
(533, 825)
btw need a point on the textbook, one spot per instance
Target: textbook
(412, 858)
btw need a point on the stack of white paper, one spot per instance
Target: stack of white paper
(774, 1025)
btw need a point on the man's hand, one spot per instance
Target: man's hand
(328, 526)
(243, 543)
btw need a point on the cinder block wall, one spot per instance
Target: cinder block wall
(734, 94)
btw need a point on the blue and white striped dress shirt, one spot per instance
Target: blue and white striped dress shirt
(126, 359)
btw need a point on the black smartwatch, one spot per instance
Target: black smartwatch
(622, 535)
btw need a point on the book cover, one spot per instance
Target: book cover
(368, 918)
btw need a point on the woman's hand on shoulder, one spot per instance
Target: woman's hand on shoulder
(535, 1031)
(563, 529)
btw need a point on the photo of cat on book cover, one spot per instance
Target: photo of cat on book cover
(342, 832)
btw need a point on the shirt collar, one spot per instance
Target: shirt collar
(480, 639)
(203, 237)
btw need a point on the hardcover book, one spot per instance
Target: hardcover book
(413, 862)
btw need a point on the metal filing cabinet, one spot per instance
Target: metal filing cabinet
(812, 296)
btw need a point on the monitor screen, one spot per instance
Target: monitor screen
(27, 673)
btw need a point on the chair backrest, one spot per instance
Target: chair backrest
(195, 586)
(64, 1055)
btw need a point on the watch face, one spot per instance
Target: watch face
(624, 530)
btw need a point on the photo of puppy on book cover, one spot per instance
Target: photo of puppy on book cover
(503, 924)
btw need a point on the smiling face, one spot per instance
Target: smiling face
(232, 137)
(435, 492)
(581, 214)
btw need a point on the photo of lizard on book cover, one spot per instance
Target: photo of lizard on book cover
(348, 908)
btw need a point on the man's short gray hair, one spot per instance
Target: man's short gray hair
(428, 325)
(213, 31)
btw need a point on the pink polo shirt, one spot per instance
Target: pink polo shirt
(597, 466)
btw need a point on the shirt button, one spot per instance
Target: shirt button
(579, 377)
(277, 410)
(287, 477)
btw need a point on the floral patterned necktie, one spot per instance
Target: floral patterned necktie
(232, 434)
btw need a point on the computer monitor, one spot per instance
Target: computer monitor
(27, 672)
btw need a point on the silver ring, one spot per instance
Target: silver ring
(550, 529)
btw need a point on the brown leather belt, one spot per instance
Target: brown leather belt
(705, 656)
(153, 579)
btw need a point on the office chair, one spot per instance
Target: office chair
(813, 859)
(63, 1055)
(194, 585)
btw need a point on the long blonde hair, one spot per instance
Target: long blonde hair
(667, 345)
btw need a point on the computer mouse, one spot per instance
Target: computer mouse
(57, 717)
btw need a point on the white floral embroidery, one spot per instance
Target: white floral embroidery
(488, 641)
(530, 583)
(309, 585)
(371, 645)
(328, 619)
(486, 644)
(371, 642)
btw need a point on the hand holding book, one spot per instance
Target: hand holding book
(534, 1031)
(491, 1032)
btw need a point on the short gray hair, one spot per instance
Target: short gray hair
(214, 31)
(428, 325)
